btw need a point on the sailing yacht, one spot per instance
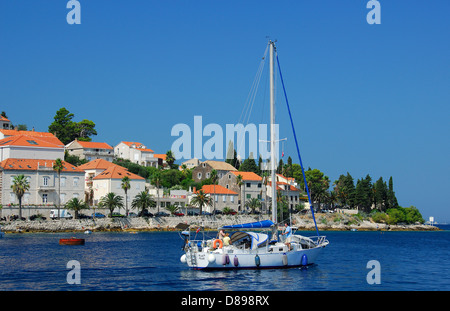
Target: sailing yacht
(255, 245)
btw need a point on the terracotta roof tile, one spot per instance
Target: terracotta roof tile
(34, 164)
(97, 164)
(94, 145)
(217, 189)
(117, 172)
(31, 141)
(248, 176)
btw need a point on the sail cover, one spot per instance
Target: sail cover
(251, 225)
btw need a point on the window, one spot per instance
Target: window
(207, 175)
(75, 181)
(62, 197)
(199, 175)
(76, 195)
(224, 198)
(46, 180)
(259, 185)
(248, 185)
(249, 196)
(44, 198)
(232, 199)
(227, 186)
(216, 198)
(12, 197)
(63, 181)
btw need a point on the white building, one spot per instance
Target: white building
(136, 153)
(110, 180)
(31, 147)
(91, 150)
(44, 185)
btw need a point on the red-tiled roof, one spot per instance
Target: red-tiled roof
(248, 175)
(34, 164)
(97, 164)
(117, 172)
(217, 189)
(138, 146)
(31, 141)
(94, 145)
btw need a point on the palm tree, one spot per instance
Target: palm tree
(142, 201)
(253, 204)
(19, 187)
(170, 159)
(239, 183)
(58, 166)
(111, 201)
(172, 208)
(125, 186)
(201, 199)
(76, 205)
(214, 179)
(156, 180)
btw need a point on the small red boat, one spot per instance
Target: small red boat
(71, 241)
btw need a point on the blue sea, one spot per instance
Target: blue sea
(149, 261)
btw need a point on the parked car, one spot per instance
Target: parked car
(192, 213)
(146, 213)
(118, 215)
(98, 215)
(131, 214)
(206, 213)
(161, 214)
(218, 212)
(63, 213)
(178, 214)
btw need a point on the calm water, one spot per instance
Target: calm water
(150, 261)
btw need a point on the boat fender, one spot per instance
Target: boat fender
(199, 245)
(285, 259)
(211, 258)
(257, 260)
(236, 261)
(183, 258)
(215, 244)
(304, 260)
(225, 259)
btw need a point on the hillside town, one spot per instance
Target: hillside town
(36, 155)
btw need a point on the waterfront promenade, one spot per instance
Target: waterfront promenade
(325, 222)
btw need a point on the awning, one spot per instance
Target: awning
(251, 225)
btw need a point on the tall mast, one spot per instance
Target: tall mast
(273, 160)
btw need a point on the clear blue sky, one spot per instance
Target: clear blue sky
(367, 99)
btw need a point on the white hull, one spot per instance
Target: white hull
(269, 256)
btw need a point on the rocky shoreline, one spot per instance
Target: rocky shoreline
(305, 223)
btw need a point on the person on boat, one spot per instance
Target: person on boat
(226, 240)
(221, 234)
(288, 233)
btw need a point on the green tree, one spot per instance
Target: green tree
(363, 194)
(249, 165)
(156, 181)
(253, 204)
(391, 198)
(380, 194)
(142, 201)
(201, 199)
(19, 186)
(76, 205)
(111, 201)
(58, 166)
(63, 127)
(125, 186)
(172, 208)
(170, 159)
(239, 183)
(67, 130)
(85, 129)
(318, 185)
